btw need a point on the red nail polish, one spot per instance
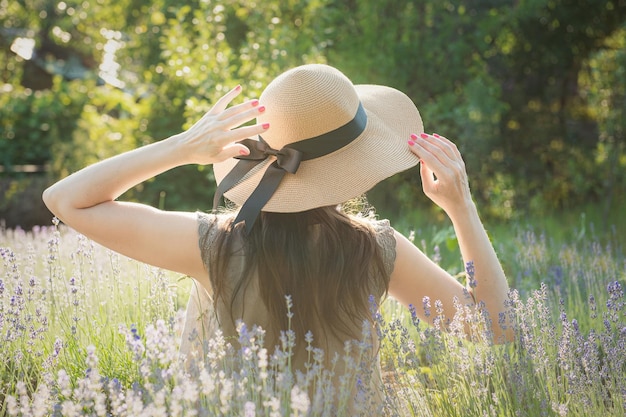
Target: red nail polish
(411, 143)
(265, 126)
(261, 109)
(238, 87)
(254, 103)
(436, 135)
(424, 135)
(413, 136)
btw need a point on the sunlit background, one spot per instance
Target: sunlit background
(534, 92)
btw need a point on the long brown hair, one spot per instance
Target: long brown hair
(327, 261)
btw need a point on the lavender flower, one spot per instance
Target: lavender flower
(426, 305)
(470, 271)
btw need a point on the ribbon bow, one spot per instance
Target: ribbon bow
(287, 160)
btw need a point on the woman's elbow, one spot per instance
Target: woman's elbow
(53, 201)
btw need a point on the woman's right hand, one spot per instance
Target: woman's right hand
(213, 138)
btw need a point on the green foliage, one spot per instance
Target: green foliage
(111, 122)
(605, 81)
(532, 92)
(32, 122)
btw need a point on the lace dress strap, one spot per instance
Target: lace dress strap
(387, 243)
(208, 227)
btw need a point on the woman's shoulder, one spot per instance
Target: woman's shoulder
(209, 227)
(384, 232)
(213, 219)
(381, 227)
(385, 237)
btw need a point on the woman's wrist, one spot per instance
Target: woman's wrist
(462, 211)
(178, 149)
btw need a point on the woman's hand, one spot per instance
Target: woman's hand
(442, 169)
(213, 138)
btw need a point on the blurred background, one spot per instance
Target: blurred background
(532, 91)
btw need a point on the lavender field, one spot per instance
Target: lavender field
(84, 331)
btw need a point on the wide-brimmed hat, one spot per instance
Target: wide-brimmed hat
(348, 138)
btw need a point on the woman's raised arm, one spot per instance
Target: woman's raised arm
(444, 181)
(86, 202)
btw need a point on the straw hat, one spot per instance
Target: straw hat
(309, 102)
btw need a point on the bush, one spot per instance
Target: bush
(32, 122)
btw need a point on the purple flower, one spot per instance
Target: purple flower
(134, 332)
(502, 320)
(426, 305)
(557, 274)
(414, 318)
(470, 270)
(593, 307)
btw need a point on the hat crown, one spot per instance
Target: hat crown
(306, 102)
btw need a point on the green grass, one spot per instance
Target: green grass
(84, 331)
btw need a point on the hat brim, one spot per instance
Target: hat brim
(379, 152)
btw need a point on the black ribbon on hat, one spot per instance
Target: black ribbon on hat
(288, 160)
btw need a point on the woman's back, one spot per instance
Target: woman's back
(334, 313)
(332, 285)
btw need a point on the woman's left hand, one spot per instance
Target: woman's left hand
(444, 179)
(214, 137)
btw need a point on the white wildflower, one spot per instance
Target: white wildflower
(299, 401)
(262, 354)
(225, 393)
(40, 401)
(208, 382)
(69, 409)
(176, 408)
(63, 383)
(190, 391)
(11, 404)
(134, 404)
(100, 404)
(249, 409)
(116, 397)
(273, 404)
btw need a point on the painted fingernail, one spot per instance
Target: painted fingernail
(261, 109)
(436, 135)
(254, 103)
(424, 135)
(411, 143)
(413, 136)
(243, 152)
(238, 88)
(265, 126)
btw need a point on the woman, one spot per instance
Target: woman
(319, 141)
